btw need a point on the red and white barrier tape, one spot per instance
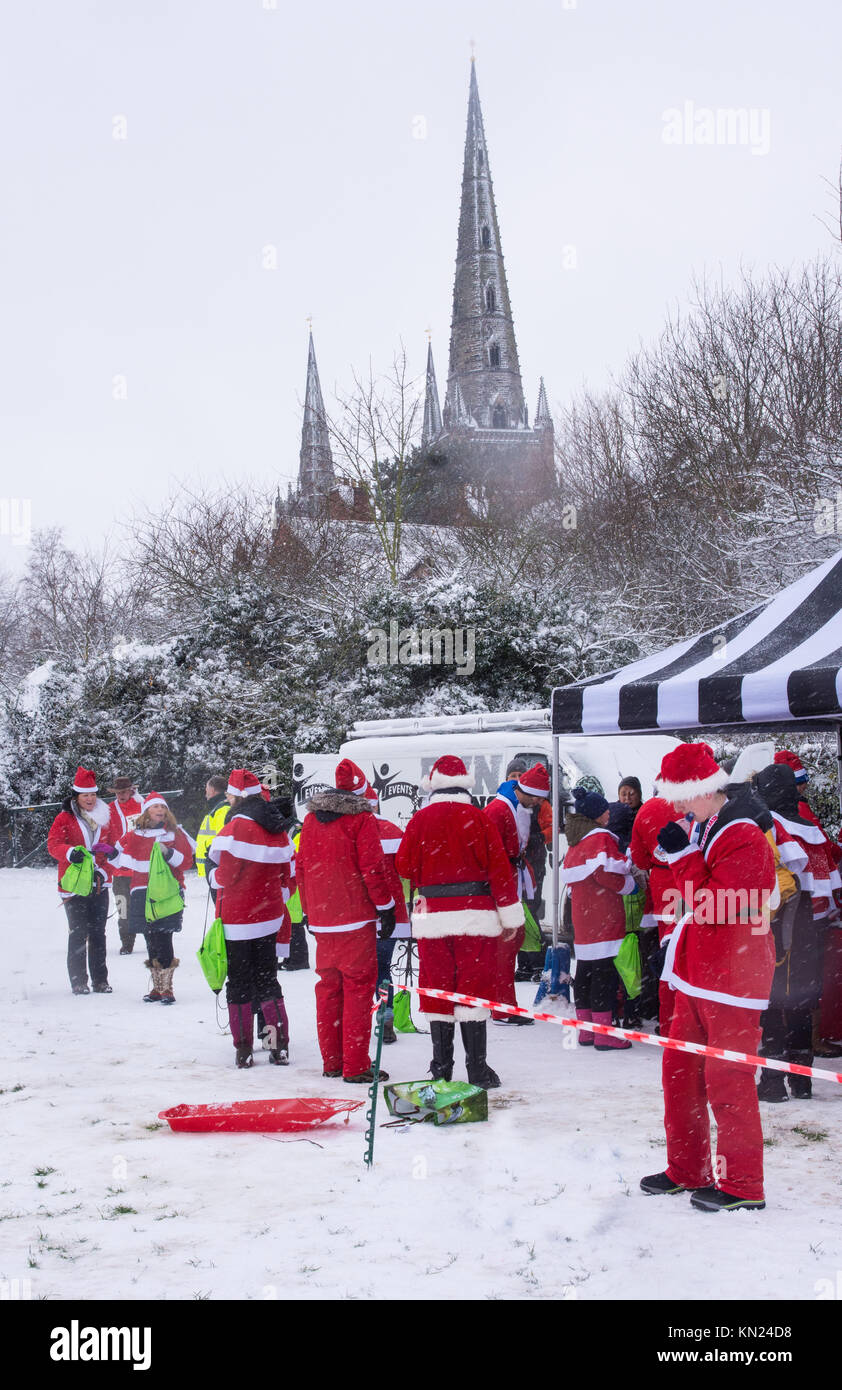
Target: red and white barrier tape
(674, 1044)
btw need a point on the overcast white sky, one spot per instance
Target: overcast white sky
(296, 127)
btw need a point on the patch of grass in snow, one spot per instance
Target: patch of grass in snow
(813, 1136)
(156, 1124)
(123, 1211)
(9, 1090)
(43, 1172)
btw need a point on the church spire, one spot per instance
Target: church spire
(432, 410)
(483, 352)
(316, 478)
(542, 413)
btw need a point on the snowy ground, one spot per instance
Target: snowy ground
(98, 1200)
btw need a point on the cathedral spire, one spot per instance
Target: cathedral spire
(316, 478)
(483, 351)
(542, 413)
(432, 410)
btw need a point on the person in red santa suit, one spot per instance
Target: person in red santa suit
(82, 823)
(662, 897)
(251, 864)
(123, 814)
(390, 839)
(598, 875)
(720, 962)
(465, 897)
(511, 812)
(345, 889)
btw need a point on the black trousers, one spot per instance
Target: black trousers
(595, 985)
(786, 1031)
(252, 971)
(86, 919)
(299, 953)
(158, 935)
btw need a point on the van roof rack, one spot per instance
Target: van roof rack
(514, 720)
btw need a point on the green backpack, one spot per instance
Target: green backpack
(212, 955)
(163, 896)
(627, 961)
(532, 938)
(79, 878)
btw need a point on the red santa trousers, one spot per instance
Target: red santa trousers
(346, 963)
(462, 964)
(693, 1083)
(506, 965)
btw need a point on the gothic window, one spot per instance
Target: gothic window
(498, 417)
(490, 299)
(494, 355)
(486, 237)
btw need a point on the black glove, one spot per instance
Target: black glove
(387, 923)
(672, 838)
(76, 855)
(167, 853)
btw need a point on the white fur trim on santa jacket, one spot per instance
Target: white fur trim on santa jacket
(255, 870)
(598, 875)
(804, 849)
(342, 872)
(135, 851)
(451, 842)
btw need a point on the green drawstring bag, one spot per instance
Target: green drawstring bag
(163, 895)
(402, 1013)
(79, 878)
(634, 904)
(212, 955)
(532, 940)
(443, 1102)
(627, 961)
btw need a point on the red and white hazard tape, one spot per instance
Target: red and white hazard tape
(674, 1044)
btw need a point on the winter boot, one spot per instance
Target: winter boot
(474, 1042)
(389, 1034)
(154, 995)
(602, 1043)
(585, 1035)
(771, 1086)
(442, 1034)
(365, 1078)
(241, 1022)
(276, 1031)
(800, 1087)
(167, 972)
(661, 1185)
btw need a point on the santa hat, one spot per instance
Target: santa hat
(265, 792)
(690, 770)
(153, 799)
(371, 795)
(450, 771)
(243, 783)
(350, 778)
(792, 760)
(535, 782)
(84, 781)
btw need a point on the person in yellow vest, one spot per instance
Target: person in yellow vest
(212, 823)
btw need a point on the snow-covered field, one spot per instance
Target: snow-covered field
(99, 1200)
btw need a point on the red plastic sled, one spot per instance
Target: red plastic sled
(257, 1115)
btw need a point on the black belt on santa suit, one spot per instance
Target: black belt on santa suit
(455, 890)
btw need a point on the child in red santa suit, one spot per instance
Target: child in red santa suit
(720, 962)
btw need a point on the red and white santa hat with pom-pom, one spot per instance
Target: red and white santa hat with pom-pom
(243, 783)
(535, 782)
(84, 781)
(153, 799)
(690, 770)
(350, 778)
(450, 771)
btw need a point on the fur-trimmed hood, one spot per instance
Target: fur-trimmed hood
(268, 814)
(329, 804)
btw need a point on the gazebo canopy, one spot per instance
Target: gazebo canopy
(779, 663)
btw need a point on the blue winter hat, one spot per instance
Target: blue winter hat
(590, 804)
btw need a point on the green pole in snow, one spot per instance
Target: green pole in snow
(372, 1090)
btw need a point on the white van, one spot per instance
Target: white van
(396, 753)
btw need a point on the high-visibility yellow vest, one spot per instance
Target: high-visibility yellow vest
(208, 830)
(294, 907)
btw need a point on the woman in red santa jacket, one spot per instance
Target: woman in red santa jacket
(82, 824)
(155, 825)
(466, 895)
(254, 871)
(390, 840)
(661, 895)
(122, 817)
(720, 963)
(598, 875)
(344, 890)
(511, 811)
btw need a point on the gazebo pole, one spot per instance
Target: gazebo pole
(839, 764)
(555, 789)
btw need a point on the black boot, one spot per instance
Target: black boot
(244, 1057)
(479, 1072)
(771, 1086)
(441, 1067)
(800, 1087)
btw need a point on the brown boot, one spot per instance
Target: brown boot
(167, 996)
(156, 970)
